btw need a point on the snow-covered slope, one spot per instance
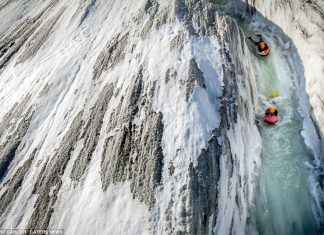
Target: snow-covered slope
(127, 117)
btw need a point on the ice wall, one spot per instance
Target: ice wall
(127, 117)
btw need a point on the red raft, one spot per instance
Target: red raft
(271, 120)
(264, 53)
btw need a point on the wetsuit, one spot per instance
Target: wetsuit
(259, 48)
(271, 114)
(257, 43)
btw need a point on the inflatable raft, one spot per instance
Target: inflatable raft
(271, 120)
(264, 53)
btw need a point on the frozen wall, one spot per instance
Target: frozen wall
(125, 117)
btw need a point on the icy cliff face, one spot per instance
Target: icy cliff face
(302, 21)
(125, 117)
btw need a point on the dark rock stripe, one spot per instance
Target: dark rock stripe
(195, 75)
(14, 184)
(6, 3)
(203, 188)
(170, 74)
(87, 9)
(113, 53)
(38, 39)
(152, 9)
(134, 152)
(179, 40)
(11, 44)
(92, 132)
(9, 148)
(49, 181)
(14, 114)
(83, 11)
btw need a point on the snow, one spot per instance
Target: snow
(88, 210)
(64, 63)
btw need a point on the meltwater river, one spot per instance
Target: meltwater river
(283, 202)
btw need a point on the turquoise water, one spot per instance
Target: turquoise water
(283, 204)
(219, 2)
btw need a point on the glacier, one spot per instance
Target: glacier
(140, 117)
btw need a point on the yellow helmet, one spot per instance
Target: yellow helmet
(262, 45)
(272, 109)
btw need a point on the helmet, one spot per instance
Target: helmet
(262, 45)
(272, 109)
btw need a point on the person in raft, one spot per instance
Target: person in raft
(263, 48)
(271, 115)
